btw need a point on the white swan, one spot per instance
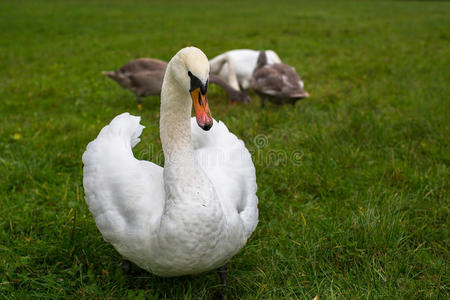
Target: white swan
(237, 66)
(199, 210)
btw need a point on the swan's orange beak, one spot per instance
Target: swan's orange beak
(201, 108)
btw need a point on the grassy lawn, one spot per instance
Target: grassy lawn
(352, 182)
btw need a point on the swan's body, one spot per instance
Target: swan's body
(277, 82)
(192, 215)
(236, 66)
(144, 77)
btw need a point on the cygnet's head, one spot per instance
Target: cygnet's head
(190, 67)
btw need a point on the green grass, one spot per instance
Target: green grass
(358, 208)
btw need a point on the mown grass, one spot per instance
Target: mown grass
(354, 202)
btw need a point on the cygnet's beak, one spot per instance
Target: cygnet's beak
(201, 108)
(305, 94)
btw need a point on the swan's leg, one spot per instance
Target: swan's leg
(220, 295)
(126, 266)
(139, 103)
(223, 275)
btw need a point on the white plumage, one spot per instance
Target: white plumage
(192, 215)
(237, 66)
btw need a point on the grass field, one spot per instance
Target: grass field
(355, 203)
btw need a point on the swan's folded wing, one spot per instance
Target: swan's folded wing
(125, 195)
(268, 80)
(147, 83)
(229, 166)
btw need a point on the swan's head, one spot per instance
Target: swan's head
(191, 70)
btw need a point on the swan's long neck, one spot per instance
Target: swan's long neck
(190, 195)
(175, 123)
(221, 62)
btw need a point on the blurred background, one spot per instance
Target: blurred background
(355, 207)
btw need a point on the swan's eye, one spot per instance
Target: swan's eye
(197, 84)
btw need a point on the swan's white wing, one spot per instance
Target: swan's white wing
(125, 195)
(229, 166)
